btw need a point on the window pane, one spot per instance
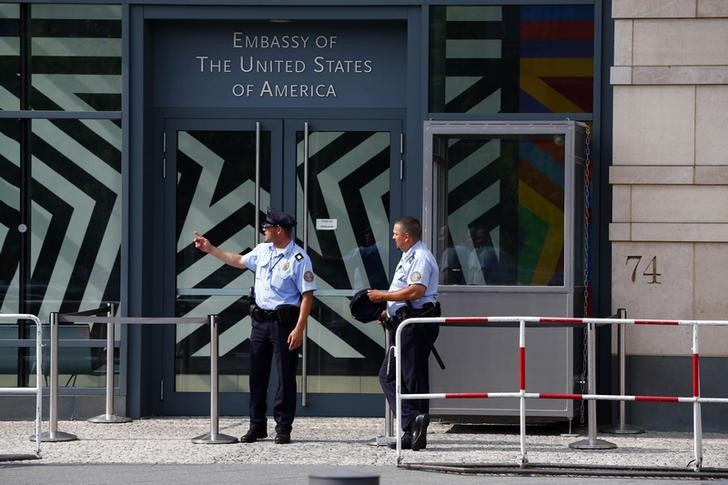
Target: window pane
(8, 354)
(511, 59)
(9, 246)
(356, 254)
(9, 215)
(348, 182)
(216, 178)
(501, 209)
(81, 361)
(76, 57)
(9, 57)
(75, 215)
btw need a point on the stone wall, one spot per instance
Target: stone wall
(669, 173)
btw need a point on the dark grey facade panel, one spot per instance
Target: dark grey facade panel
(672, 376)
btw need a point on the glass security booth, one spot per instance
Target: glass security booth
(504, 211)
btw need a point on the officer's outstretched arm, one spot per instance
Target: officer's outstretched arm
(227, 257)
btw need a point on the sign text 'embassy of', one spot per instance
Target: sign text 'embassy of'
(258, 62)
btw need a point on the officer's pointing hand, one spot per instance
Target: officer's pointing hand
(202, 243)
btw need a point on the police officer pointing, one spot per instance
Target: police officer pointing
(413, 293)
(284, 286)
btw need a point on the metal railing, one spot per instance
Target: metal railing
(546, 322)
(109, 417)
(622, 427)
(213, 437)
(38, 389)
(389, 436)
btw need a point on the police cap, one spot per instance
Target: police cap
(363, 309)
(275, 217)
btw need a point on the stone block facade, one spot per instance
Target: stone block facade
(669, 172)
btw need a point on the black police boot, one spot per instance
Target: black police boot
(254, 435)
(283, 438)
(419, 432)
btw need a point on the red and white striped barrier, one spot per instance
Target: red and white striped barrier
(575, 397)
(561, 321)
(522, 323)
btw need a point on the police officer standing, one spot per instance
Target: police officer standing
(284, 286)
(413, 293)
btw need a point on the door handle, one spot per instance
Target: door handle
(256, 230)
(304, 349)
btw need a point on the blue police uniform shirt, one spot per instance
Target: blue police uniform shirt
(417, 267)
(281, 275)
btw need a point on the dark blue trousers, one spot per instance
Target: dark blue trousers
(268, 341)
(415, 354)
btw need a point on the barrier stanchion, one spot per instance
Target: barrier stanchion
(591, 443)
(109, 416)
(697, 416)
(37, 390)
(214, 437)
(53, 435)
(388, 437)
(622, 427)
(522, 387)
(388, 423)
(398, 390)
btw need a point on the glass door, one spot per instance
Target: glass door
(224, 171)
(336, 177)
(347, 180)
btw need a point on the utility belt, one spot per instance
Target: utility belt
(283, 314)
(427, 310)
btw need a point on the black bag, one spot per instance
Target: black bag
(363, 309)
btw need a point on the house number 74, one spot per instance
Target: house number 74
(650, 269)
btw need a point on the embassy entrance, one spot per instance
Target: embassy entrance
(113, 99)
(336, 176)
(303, 115)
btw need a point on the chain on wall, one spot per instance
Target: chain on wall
(587, 248)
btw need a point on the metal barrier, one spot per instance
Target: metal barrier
(109, 417)
(53, 435)
(389, 436)
(546, 322)
(622, 427)
(213, 437)
(38, 389)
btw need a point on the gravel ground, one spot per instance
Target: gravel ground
(348, 441)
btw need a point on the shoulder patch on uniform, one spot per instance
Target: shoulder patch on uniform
(308, 276)
(416, 276)
(298, 256)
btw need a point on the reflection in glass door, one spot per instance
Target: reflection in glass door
(343, 197)
(335, 177)
(223, 187)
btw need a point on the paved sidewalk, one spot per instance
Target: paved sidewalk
(160, 450)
